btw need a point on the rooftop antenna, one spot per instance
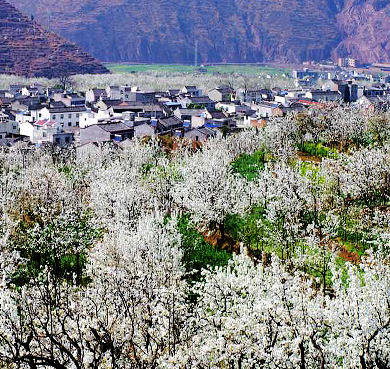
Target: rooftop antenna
(196, 53)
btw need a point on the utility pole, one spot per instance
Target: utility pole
(49, 18)
(196, 53)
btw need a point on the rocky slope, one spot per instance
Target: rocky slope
(226, 31)
(365, 26)
(166, 30)
(28, 49)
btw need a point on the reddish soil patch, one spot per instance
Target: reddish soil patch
(349, 256)
(223, 242)
(306, 157)
(227, 243)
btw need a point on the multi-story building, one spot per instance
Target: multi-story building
(46, 131)
(68, 117)
(347, 62)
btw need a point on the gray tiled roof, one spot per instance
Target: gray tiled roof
(72, 109)
(114, 127)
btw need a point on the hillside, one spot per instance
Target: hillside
(28, 49)
(226, 31)
(365, 25)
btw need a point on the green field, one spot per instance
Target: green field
(180, 68)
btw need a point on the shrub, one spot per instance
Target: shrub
(249, 166)
(197, 253)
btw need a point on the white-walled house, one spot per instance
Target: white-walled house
(192, 91)
(23, 116)
(32, 90)
(69, 99)
(46, 131)
(113, 92)
(323, 96)
(134, 94)
(90, 117)
(253, 96)
(67, 117)
(296, 93)
(94, 94)
(231, 108)
(27, 129)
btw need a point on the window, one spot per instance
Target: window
(70, 116)
(40, 115)
(58, 140)
(44, 134)
(196, 138)
(77, 115)
(77, 124)
(54, 117)
(62, 116)
(69, 124)
(67, 140)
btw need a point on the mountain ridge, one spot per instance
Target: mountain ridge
(226, 31)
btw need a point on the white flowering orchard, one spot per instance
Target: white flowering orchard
(265, 249)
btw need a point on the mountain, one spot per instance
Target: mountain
(365, 26)
(28, 49)
(166, 31)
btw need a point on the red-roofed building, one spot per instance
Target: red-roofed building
(48, 131)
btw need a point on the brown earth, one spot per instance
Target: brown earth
(28, 49)
(222, 242)
(307, 157)
(352, 257)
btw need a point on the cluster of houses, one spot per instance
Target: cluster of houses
(50, 116)
(308, 77)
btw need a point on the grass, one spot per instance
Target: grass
(249, 69)
(318, 150)
(197, 253)
(249, 166)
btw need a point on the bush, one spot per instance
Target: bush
(317, 150)
(197, 253)
(249, 166)
(60, 245)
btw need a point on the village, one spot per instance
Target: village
(39, 116)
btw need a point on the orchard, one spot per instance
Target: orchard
(265, 249)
